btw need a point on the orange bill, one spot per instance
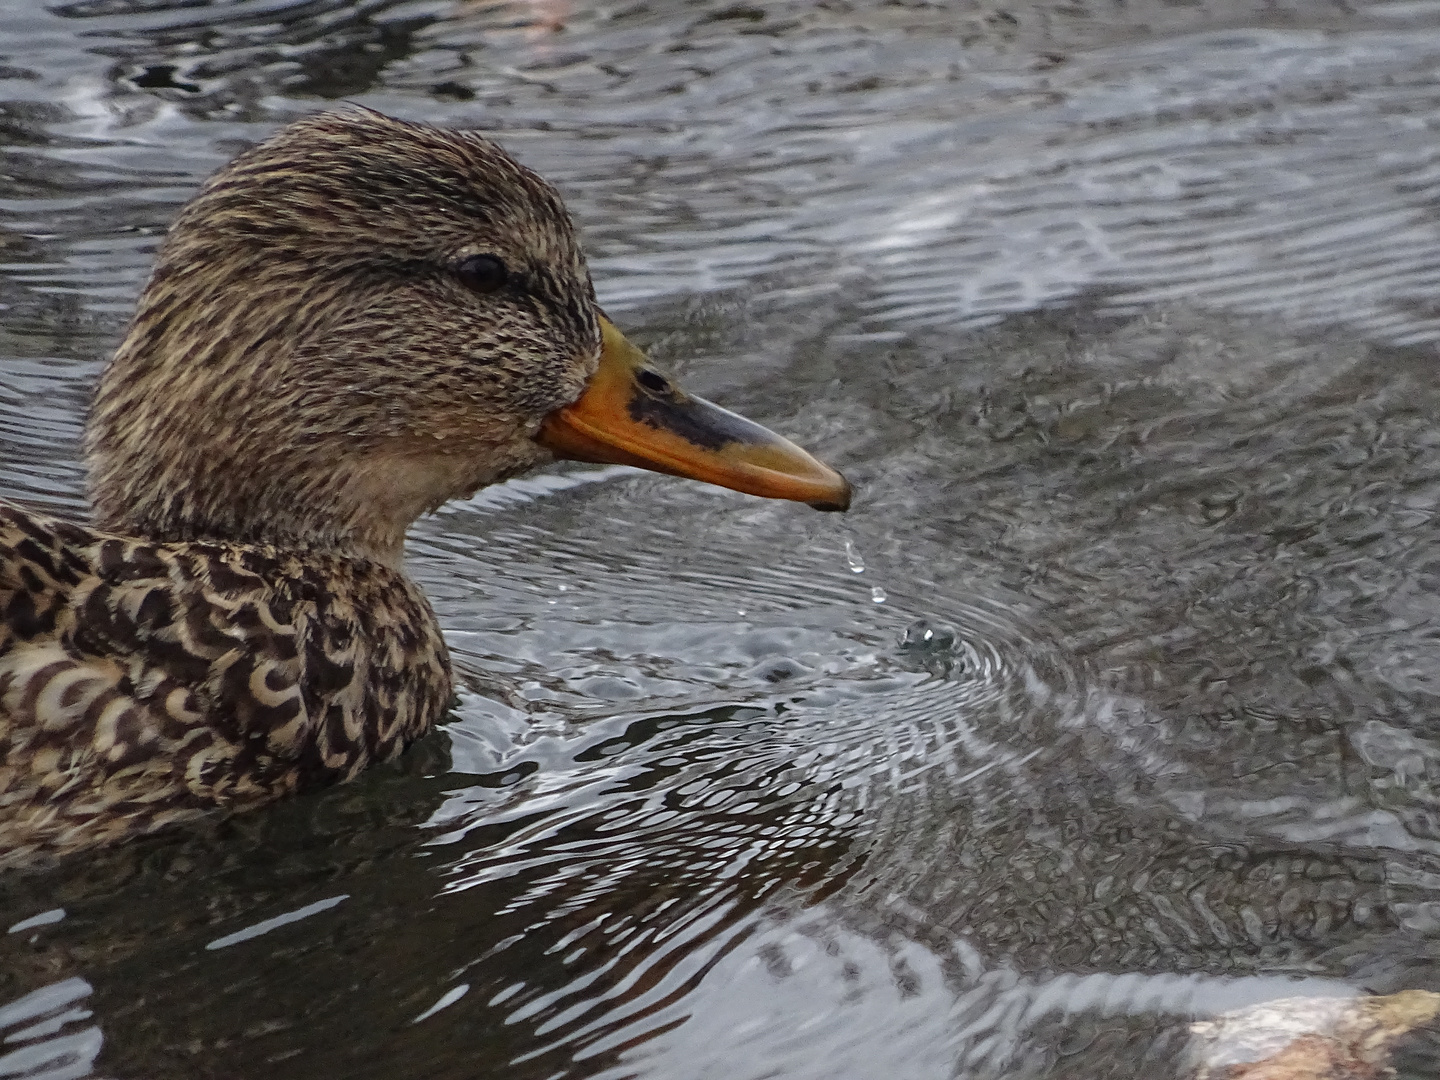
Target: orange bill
(630, 414)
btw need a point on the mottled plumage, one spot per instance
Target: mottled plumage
(142, 683)
(311, 367)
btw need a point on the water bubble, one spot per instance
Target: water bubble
(877, 595)
(933, 646)
(853, 558)
(925, 636)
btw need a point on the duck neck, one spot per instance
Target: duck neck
(339, 507)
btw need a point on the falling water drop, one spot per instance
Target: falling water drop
(853, 558)
(877, 594)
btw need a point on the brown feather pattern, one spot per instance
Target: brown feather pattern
(304, 376)
(144, 683)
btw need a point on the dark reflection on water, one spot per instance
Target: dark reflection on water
(1109, 706)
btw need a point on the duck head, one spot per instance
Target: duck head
(362, 318)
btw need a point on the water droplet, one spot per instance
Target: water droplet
(853, 558)
(877, 595)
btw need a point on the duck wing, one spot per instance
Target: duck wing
(144, 683)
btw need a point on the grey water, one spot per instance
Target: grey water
(1114, 703)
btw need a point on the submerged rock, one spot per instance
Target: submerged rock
(1308, 1038)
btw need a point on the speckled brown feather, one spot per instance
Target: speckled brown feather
(144, 683)
(303, 354)
(304, 376)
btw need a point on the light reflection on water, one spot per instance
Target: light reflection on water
(1141, 729)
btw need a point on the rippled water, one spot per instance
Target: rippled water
(1111, 705)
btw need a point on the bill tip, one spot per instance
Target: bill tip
(839, 504)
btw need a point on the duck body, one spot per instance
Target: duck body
(143, 683)
(350, 324)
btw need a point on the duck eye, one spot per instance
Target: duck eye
(653, 381)
(482, 273)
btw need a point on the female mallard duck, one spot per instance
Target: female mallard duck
(350, 324)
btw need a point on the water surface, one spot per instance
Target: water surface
(1110, 706)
